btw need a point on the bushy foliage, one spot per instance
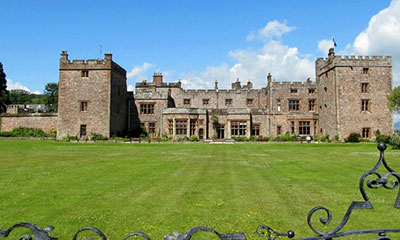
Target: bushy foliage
(240, 139)
(166, 138)
(97, 137)
(322, 139)
(395, 141)
(28, 132)
(252, 138)
(284, 138)
(194, 139)
(4, 94)
(69, 138)
(6, 134)
(382, 138)
(263, 139)
(51, 96)
(143, 132)
(353, 137)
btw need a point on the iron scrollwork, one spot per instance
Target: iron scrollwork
(379, 180)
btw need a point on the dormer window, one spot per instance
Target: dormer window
(293, 91)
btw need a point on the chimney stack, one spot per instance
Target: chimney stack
(64, 56)
(157, 78)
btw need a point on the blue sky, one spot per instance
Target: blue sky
(194, 41)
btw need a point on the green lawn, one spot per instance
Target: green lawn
(158, 188)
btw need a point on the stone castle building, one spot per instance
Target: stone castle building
(349, 95)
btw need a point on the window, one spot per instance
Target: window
(279, 130)
(228, 102)
(293, 90)
(365, 105)
(304, 127)
(84, 106)
(311, 105)
(147, 108)
(238, 128)
(186, 101)
(206, 101)
(170, 126)
(180, 127)
(255, 130)
(249, 101)
(152, 127)
(278, 105)
(293, 127)
(364, 87)
(85, 73)
(365, 132)
(311, 91)
(192, 127)
(83, 130)
(365, 71)
(325, 89)
(294, 105)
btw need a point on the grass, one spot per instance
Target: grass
(158, 188)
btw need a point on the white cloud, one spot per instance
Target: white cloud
(139, 72)
(130, 88)
(324, 46)
(271, 30)
(16, 85)
(382, 37)
(11, 85)
(285, 63)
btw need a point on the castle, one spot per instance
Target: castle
(349, 95)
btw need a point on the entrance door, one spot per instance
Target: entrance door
(221, 132)
(201, 133)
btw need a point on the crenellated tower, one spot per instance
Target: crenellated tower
(352, 95)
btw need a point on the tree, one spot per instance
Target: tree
(394, 99)
(4, 95)
(51, 94)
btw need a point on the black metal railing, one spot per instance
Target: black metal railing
(379, 180)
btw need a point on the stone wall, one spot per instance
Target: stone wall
(74, 88)
(339, 82)
(45, 121)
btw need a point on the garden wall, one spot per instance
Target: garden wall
(44, 121)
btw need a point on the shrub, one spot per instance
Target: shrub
(28, 132)
(6, 134)
(263, 139)
(117, 138)
(337, 137)
(183, 139)
(252, 138)
(97, 137)
(382, 138)
(284, 138)
(240, 139)
(353, 137)
(166, 138)
(395, 141)
(194, 139)
(69, 138)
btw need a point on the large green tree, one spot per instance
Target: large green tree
(394, 99)
(4, 95)
(51, 94)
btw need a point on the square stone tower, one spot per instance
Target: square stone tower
(92, 98)
(352, 95)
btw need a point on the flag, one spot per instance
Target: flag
(334, 43)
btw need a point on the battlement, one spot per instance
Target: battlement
(90, 64)
(333, 60)
(293, 84)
